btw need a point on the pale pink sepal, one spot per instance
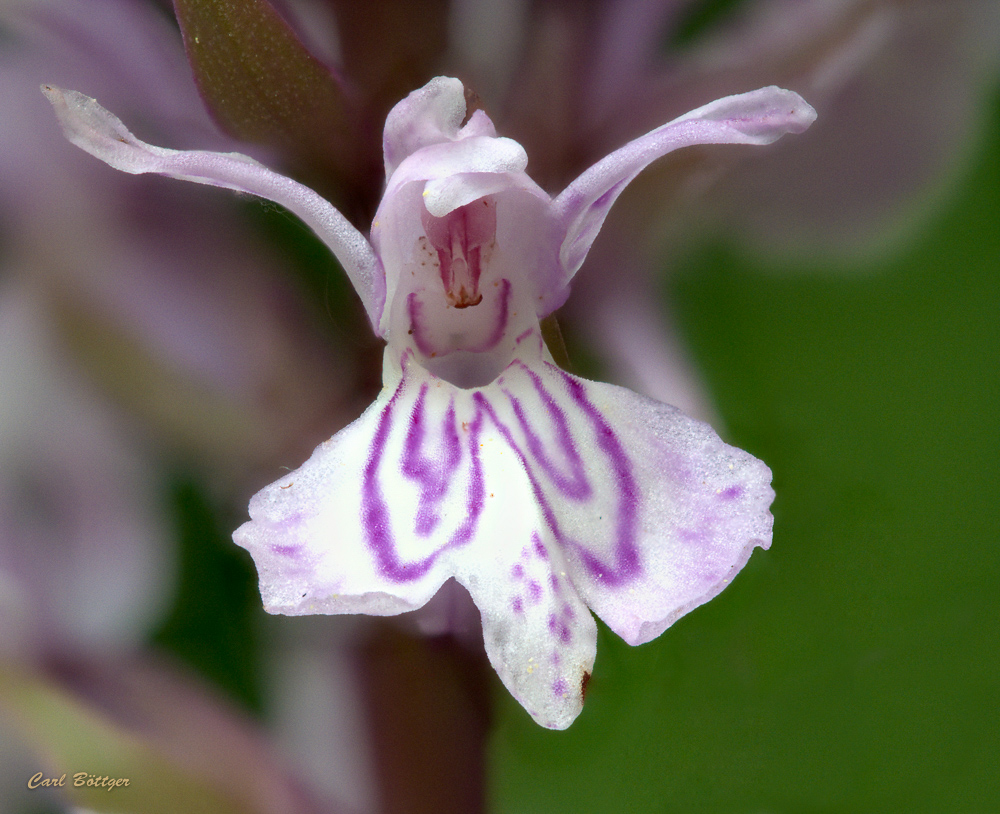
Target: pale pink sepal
(100, 133)
(757, 117)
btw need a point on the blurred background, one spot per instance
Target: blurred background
(829, 303)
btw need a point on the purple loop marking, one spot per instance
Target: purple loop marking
(375, 514)
(434, 479)
(432, 472)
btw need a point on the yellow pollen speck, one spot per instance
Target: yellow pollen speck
(425, 193)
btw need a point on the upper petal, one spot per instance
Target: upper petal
(757, 117)
(100, 133)
(444, 164)
(427, 116)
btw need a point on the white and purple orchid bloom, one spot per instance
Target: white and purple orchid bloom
(545, 495)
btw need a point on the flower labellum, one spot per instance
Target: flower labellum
(545, 495)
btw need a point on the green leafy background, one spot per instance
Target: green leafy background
(853, 667)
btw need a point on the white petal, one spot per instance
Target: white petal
(653, 512)
(362, 525)
(539, 635)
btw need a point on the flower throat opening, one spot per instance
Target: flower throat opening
(463, 240)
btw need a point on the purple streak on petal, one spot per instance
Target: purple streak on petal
(517, 572)
(534, 592)
(426, 345)
(732, 493)
(503, 317)
(577, 486)
(476, 498)
(626, 553)
(560, 688)
(414, 311)
(540, 549)
(287, 550)
(433, 472)
(517, 605)
(626, 565)
(524, 335)
(375, 514)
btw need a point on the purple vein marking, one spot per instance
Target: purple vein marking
(415, 311)
(503, 316)
(427, 344)
(375, 513)
(626, 553)
(576, 486)
(626, 565)
(432, 472)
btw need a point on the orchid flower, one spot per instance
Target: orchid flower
(546, 496)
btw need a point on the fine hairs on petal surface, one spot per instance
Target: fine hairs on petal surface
(544, 495)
